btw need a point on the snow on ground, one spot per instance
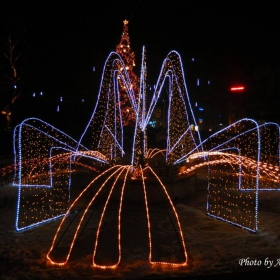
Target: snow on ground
(214, 248)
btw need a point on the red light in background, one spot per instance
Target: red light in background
(237, 88)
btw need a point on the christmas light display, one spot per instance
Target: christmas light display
(242, 160)
(124, 50)
(43, 156)
(73, 229)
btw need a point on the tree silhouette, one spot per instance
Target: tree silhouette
(12, 61)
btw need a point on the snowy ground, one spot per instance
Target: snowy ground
(214, 248)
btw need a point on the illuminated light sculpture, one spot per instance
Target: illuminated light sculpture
(43, 156)
(243, 159)
(104, 133)
(72, 230)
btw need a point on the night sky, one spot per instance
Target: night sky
(63, 47)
